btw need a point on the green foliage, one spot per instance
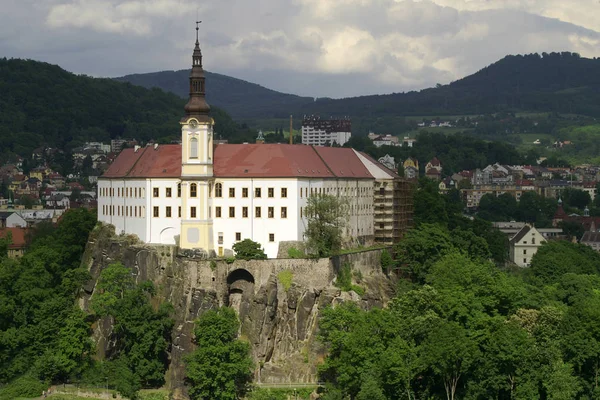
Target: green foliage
(24, 386)
(386, 261)
(143, 333)
(285, 277)
(213, 265)
(470, 330)
(279, 394)
(86, 109)
(42, 336)
(325, 222)
(230, 260)
(248, 249)
(344, 280)
(554, 259)
(221, 367)
(295, 253)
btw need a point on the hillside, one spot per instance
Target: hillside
(241, 99)
(560, 82)
(42, 104)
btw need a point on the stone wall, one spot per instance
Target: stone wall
(279, 321)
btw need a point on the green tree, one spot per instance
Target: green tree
(554, 259)
(386, 260)
(221, 367)
(249, 250)
(326, 215)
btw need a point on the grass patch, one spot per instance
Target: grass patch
(261, 393)
(295, 253)
(285, 277)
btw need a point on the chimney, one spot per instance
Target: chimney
(136, 148)
(155, 146)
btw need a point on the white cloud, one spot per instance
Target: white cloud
(314, 47)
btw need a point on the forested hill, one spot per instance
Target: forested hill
(240, 98)
(561, 82)
(42, 104)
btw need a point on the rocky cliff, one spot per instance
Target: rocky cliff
(278, 301)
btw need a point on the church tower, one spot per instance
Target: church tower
(196, 162)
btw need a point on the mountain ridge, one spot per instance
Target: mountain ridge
(558, 82)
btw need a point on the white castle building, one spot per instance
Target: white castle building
(204, 196)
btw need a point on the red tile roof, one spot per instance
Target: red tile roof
(163, 161)
(268, 160)
(244, 160)
(343, 162)
(18, 237)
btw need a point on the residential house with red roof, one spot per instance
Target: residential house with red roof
(18, 242)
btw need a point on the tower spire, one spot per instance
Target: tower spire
(197, 106)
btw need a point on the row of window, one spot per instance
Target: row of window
(136, 192)
(124, 211)
(219, 213)
(347, 191)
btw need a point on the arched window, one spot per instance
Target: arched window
(219, 190)
(193, 148)
(193, 190)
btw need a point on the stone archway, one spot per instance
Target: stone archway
(240, 289)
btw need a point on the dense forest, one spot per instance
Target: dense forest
(555, 82)
(462, 327)
(42, 104)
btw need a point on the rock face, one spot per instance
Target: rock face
(278, 301)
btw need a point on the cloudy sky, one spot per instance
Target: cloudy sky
(333, 48)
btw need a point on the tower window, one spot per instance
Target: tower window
(193, 148)
(231, 192)
(219, 190)
(271, 212)
(193, 190)
(238, 236)
(283, 212)
(257, 192)
(284, 192)
(193, 212)
(244, 212)
(168, 213)
(257, 212)
(155, 211)
(218, 212)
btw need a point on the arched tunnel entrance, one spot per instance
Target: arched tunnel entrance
(240, 290)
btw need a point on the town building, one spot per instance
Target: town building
(386, 140)
(325, 132)
(11, 219)
(206, 197)
(524, 244)
(591, 239)
(18, 242)
(411, 168)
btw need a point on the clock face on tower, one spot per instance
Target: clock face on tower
(193, 123)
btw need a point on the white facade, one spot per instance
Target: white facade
(237, 214)
(524, 245)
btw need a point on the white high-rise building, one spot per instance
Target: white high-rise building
(325, 132)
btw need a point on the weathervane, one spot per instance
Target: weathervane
(197, 28)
